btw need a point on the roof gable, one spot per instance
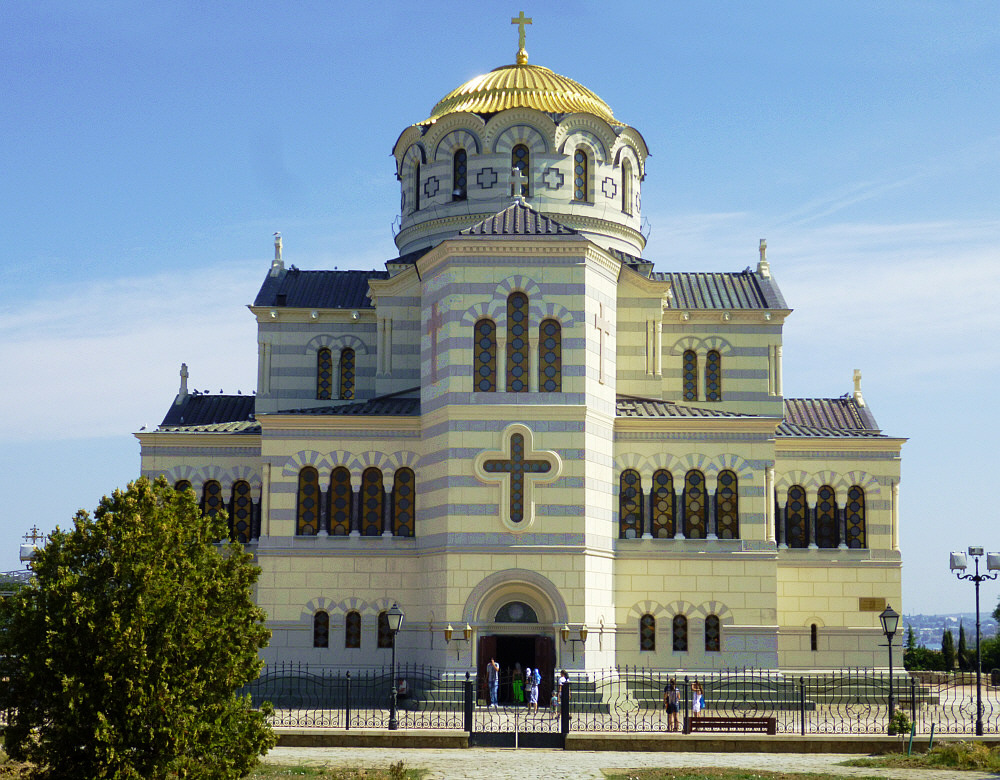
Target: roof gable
(518, 219)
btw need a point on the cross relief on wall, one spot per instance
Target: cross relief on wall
(518, 469)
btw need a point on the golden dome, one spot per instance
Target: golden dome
(521, 86)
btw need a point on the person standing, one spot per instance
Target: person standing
(697, 699)
(517, 684)
(535, 677)
(672, 704)
(493, 679)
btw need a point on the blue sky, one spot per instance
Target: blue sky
(150, 150)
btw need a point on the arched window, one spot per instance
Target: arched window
(663, 505)
(307, 520)
(324, 374)
(827, 531)
(460, 176)
(321, 629)
(416, 186)
(713, 634)
(352, 630)
(796, 512)
(347, 374)
(550, 356)
(713, 376)
(340, 502)
(517, 343)
(182, 484)
(211, 498)
(627, 187)
(647, 633)
(856, 536)
(384, 634)
(484, 375)
(680, 633)
(814, 637)
(690, 376)
(520, 158)
(694, 505)
(727, 508)
(581, 176)
(372, 499)
(629, 505)
(241, 512)
(403, 502)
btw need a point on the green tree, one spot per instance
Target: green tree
(911, 640)
(948, 650)
(126, 652)
(965, 662)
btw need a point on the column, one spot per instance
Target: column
(679, 514)
(895, 517)
(777, 370)
(659, 348)
(335, 361)
(387, 482)
(324, 507)
(711, 520)
(255, 496)
(646, 532)
(265, 500)
(841, 517)
(769, 504)
(533, 363)
(355, 504)
(770, 369)
(811, 518)
(501, 363)
(781, 518)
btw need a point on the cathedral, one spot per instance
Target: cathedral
(536, 444)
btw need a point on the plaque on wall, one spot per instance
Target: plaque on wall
(871, 604)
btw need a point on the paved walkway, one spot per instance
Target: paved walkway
(534, 764)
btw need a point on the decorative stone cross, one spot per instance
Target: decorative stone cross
(518, 180)
(517, 467)
(603, 327)
(433, 324)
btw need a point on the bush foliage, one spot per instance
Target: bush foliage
(126, 652)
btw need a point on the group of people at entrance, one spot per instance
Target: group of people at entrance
(524, 687)
(672, 703)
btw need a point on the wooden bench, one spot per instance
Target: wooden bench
(731, 723)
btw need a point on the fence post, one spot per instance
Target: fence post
(347, 704)
(802, 703)
(564, 707)
(913, 701)
(469, 693)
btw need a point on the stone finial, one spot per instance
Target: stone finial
(763, 267)
(858, 398)
(183, 392)
(277, 265)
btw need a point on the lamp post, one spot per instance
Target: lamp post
(395, 619)
(958, 565)
(889, 619)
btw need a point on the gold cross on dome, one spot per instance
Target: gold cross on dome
(520, 20)
(34, 536)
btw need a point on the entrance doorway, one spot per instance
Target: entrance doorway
(528, 650)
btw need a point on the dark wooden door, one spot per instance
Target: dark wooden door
(545, 658)
(487, 650)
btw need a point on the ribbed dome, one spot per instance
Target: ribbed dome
(521, 86)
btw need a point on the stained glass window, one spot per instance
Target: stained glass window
(352, 630)
(581, 176)
(856, 538)
(517, 343)
(403, 502)
(550, 357)
(694, 505)
(384, 634)
(241, 512)
(690, 376)
(796, 514)
(340, 502)
(680, 634)
(520, 158)
(321, 629)
(516, 612)
(647, 633)
(713, 634)
(827, 533)
(347, 374)
(460, 176)
(629, 505)
(182, 484)
(308, 502)
(727, 509)
(517, 466)
(485, 362)
(663, 505)
(713, 376)
(372, 496)
(211, 498)
(627, 187)
(324, 374)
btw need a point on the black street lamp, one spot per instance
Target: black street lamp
(395, 619)
(889, 619)
(958, 565)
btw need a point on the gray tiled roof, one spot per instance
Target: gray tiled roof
(842, 413)
(703, 290)
(787, 429)
(246, 426)
(318, 289)
(387, 406)
(518, 219)
(207, 409)
(627, 406)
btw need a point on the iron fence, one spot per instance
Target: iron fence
(624, 699)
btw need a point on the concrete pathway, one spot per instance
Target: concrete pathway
(533, 764)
